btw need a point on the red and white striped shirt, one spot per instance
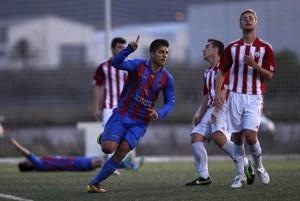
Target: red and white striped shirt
(113, 81)
(243, 78)
(210, 75)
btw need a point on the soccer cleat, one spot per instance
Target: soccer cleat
(99, 138)
(199, 182)
(137, 163)
(263, 175)
(249, 173)
(238, 181)
(93, 188)
(116, 172)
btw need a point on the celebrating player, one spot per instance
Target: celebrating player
(204, 129)
(108, 83)
(129, 121)
(250, 61)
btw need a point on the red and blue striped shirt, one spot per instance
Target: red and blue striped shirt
(142, 87)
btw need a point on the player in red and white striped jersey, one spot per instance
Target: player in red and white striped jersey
(203, 129)
(250, 62)
(108, 83)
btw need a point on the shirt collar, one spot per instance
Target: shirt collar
(148, 64)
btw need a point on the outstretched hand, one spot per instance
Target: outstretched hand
(134, 44)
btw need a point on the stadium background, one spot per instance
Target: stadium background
(42, 104)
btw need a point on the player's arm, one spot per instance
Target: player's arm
(265, 73)
(119, 61)
(224, 67)
(98, 101)
(200, 111)
(25, 152)
(219, 98)
(169, 99)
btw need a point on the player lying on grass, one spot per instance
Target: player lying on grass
(64, 163)
(129, 121)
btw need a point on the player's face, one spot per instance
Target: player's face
(118, 48)
(159, 57)
(208, 51)
(248, 22)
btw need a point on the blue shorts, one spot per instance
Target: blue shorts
(120, 127)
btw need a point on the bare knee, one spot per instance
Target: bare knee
(219, 138)
(108, 148)
(251, 137)
(197, 138)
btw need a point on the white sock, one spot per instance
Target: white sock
(228, 148)
(238, 155)
(246, 162)
(256, 154)
(201, 162)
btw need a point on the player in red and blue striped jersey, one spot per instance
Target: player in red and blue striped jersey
(128, 124)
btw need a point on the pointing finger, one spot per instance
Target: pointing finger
(137, 38)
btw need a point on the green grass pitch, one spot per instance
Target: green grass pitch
(156, 182)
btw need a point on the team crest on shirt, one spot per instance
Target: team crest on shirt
(257, 54)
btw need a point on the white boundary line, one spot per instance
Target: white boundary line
(12, 197)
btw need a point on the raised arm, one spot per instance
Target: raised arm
(119, 61)
(25, 152)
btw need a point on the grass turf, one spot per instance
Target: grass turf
(155, 181)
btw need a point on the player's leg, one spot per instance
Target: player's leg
(199, 134)
(224, 142)
(109, 167)
(201, 161)
(252, 119)
(256, 152)
(111, 138)
(238, 155)
(236, 105)
(106, 114)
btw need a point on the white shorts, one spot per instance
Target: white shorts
(244, 112)
(105, 115)
(206, 128)
(221, 121)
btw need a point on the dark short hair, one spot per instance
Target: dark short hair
(117, 40)
(26, 166)
(218, 44)
(156, 44)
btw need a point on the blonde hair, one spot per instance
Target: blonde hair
(249, 10)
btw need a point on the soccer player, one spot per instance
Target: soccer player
(204, 129)
(128, 124)
(250, 61)
(62, 163)
(108, 83)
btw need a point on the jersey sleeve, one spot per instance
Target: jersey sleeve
(226, 60)
(36, 161)
(99, 76)
(269, 59)
(119, 61)
(169, 98)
